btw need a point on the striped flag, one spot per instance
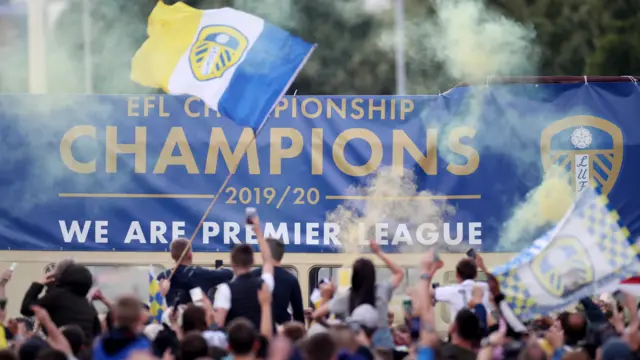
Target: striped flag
(237, 63)
(157, 303)
(588, 252)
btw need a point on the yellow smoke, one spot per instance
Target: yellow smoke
(543, 206)
(390, 197)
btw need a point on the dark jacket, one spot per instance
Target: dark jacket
(244, 299)
(189, 277)
(118, 344)
(286, 292)
(67, 301)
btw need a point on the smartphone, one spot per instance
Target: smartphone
(197, 296)
(13, 266)
(250, 213)
(471, 253)
(218, 264)
(407, 306)
(176, 302)
(414, 328)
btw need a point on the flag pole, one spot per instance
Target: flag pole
(226, 181)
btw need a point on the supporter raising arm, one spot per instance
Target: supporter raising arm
(428, 338)
(186, 276)
(397, 271)
(239, 298)
(365, 290)
(6, 276)
(66, 302)
(54, 336)
(266, 321)
(458, 295)
(268, 264)
(287, 295)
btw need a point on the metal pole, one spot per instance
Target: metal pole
(401, 71)
(37, 50)
(86, 33)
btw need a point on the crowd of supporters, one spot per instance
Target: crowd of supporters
(246, 314)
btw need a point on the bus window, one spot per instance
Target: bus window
(324, 273)
(117, 280)
(382, 274)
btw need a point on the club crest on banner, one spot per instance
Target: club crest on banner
(589, 147)
(563, 266)
(217, 48)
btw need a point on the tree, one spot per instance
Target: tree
(348, 60)
(356, 45)
(617, 50)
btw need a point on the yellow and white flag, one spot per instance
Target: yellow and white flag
(237, 63)
(587, 253)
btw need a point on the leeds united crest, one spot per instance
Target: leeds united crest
(563, 267)
(216, 49)
(590, 148)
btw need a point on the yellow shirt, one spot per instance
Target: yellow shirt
(3, 338)
(318, 304)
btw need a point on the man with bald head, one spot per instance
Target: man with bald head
(188, 276)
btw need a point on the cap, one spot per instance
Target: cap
(364, 315)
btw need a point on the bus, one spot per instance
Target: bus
(110, 180)
(119, 273)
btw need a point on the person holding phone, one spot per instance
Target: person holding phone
(287, 295)
(239, 297)
(66, 302)
(457, 296)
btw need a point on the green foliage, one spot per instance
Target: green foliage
(355, 53)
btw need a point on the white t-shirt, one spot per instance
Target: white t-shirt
(223, 293)
(458, 295)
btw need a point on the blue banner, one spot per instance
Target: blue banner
(130, 173)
